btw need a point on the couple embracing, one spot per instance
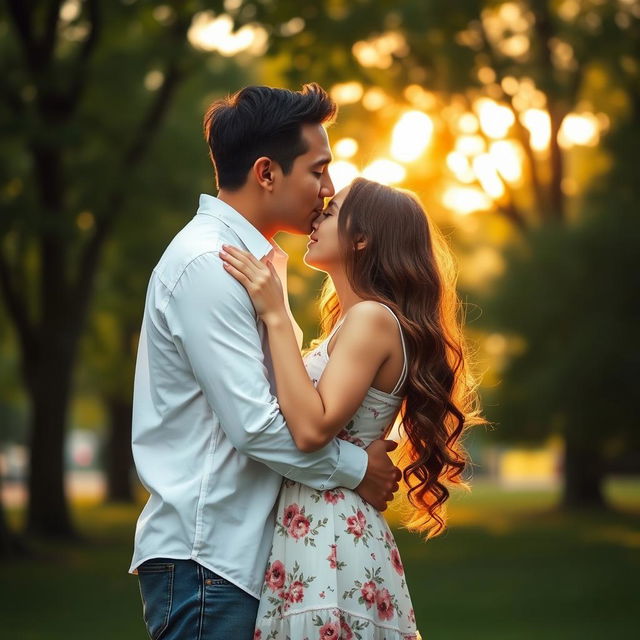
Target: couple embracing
(268, 470)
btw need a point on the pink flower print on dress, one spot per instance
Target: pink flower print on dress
(346, 633)
(330, 631)
(383, 602)
(296, 592)
(333, 496)
(375, 412)
(257, 634)
(412, 616)
(354, 527)
(369, 591)
(289, 513)
(396, 562)
(275, 576)
(332, 558)
(345, 435)
(299, 526)
(361, 519)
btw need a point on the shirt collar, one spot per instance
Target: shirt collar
(257, 244)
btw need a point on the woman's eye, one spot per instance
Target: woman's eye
(318, 173)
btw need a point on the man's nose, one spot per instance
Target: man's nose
(327, 190)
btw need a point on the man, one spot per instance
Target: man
(209, 442)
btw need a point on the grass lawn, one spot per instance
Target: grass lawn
(509, 567)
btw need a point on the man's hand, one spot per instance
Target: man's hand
(381, 479)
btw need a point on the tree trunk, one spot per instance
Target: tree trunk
(583, 476)
(48, 510)
(119, 461)
(10, 544)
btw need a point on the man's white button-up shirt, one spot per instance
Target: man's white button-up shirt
(209, 442)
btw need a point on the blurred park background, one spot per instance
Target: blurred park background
(517, 123)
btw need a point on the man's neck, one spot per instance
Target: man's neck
(249, 209)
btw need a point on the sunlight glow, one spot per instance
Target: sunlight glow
(507, 158)
(515, 46)
(211, 33)
(470, 145)
(342, 173)
(70, 10)
(374, 99)
(507, 27)
(495, 119)
(483, 264)
(538, 123)
(487, 175)
(466, 200)
(345, 148)
(411, 135)
(468, 123)
(153, 80)
(346, 92)
(380, 50)
(459, 165)
(419, 97)
(385, 171)
(579, 129)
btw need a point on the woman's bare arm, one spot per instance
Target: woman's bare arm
(315, 415)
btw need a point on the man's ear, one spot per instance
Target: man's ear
(263, 169)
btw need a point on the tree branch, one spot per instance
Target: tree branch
(525, 139)
(133, 156)
(16, 305)
(21, 15)
(78, 83)
(48, 42)
(544, 31)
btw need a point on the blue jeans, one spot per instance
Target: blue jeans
(184, 601)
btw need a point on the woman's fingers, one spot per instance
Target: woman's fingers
(273, 271)
(237, 274)
(240, 263)
(244, 257)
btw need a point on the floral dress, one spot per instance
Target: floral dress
(334, 571)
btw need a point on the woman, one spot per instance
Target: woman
(391, 342)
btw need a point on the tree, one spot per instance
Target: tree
(532, 58)
(166, 197)
(571, 293)
(78, 122)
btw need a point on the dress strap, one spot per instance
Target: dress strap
(325, 343)
(405, 365)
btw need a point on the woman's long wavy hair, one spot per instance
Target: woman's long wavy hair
(406, 264)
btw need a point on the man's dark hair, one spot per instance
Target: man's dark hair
(262, 121)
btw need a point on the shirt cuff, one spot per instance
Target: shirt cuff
(351, 468)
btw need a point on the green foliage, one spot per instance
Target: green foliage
(526, 572)
(571, 291)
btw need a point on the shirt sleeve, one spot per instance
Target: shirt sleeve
(214, 327)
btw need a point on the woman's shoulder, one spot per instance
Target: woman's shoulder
(371, 316)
